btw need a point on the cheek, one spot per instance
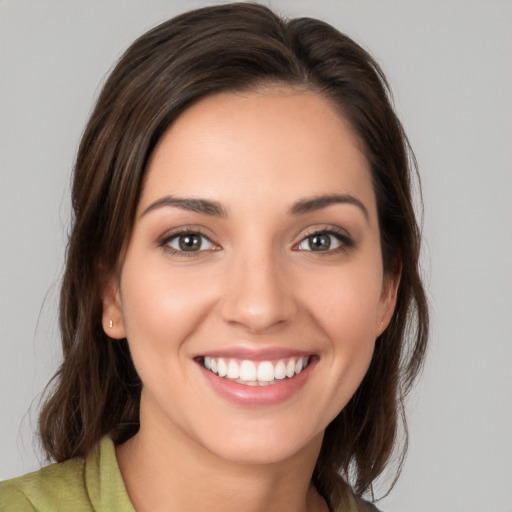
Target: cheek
(161, 309)
(347, 302)
(347, 313)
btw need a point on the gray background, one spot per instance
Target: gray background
(450, 66)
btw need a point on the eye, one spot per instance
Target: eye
(324, 241)
(188, 242)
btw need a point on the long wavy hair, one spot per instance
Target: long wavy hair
(96, 391)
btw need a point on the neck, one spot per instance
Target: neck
(167, 471)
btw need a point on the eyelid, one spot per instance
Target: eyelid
(342, 235)
(174, 233)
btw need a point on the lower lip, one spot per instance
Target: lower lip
(258, 396)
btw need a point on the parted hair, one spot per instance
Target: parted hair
(234, 47)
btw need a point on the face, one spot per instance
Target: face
(252, 289)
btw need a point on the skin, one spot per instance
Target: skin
(256, 282)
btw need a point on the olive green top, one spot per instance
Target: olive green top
(93, 484)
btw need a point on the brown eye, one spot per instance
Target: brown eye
(324, 241)
(320, 242)
(189, 242)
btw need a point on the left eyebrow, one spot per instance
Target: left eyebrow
(317, 203)
(191, 204)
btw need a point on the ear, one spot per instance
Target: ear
(112, 318)
(390, 286)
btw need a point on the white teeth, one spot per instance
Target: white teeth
(247, 371)
(265, 371)
(233, 370)
(280, 370)
(222, 368)
(290, 368)
(255, 374)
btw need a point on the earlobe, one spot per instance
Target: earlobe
(112, 318)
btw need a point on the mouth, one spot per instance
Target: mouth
(255, 373)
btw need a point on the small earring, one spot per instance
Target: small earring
(110, 324)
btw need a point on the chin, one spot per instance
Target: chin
(264, 445)
(260, 453)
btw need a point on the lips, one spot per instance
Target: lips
(256, 378)
(255, 373)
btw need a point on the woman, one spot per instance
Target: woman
(241, 311)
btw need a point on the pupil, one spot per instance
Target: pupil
(320, 242)
(190, 242)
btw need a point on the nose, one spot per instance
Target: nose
(259, 294)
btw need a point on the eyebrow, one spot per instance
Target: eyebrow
(215, 209)
(319, 202)
(203, 206)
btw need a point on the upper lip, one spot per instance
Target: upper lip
(255, 354)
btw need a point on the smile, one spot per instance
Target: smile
(251, 373)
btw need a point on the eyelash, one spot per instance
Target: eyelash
(181, 232)
(345, 241)
(340, 235)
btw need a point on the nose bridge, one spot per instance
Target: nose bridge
(259, 295)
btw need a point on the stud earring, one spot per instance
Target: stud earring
(110, 324)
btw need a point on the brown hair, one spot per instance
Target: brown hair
(240, 46)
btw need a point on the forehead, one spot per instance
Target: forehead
(269, 144)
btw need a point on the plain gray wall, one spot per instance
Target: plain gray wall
(450, 66)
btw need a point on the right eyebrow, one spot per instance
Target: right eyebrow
(317, 203)
(203, 206)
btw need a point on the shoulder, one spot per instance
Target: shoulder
(49, 487)
(77, 485)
